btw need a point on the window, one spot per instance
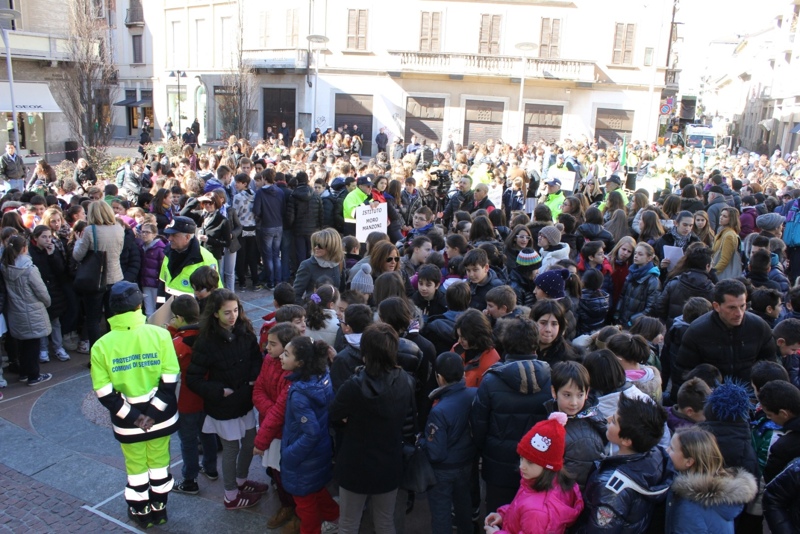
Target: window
(200, 41)
(136, 41)
(490, 34)
(293, 28)
(429, 31)
(98, 9)
(226, 36)
(176, 43)
(357, 29)
(623, 44)
(648, 57)
(550, 39)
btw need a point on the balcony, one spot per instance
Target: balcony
(134, 17)
(273, 60)
(29, 45)
(493, 65)
(672, 79)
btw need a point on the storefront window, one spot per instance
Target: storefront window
(178, 110)
(31, 132)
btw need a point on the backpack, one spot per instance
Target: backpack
(791, 233)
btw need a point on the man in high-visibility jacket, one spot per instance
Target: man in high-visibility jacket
(134, 374)
(184, 256)
(555, 196)
(359, 196)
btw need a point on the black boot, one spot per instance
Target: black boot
(159, 513)
(143, 519)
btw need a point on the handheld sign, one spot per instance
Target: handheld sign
(371, 220)
(567, 178)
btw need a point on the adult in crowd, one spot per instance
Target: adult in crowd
(184, 256)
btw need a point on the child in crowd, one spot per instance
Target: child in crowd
(501, 302)
(704, 496)
(282, 295)
(475, 345)
(440, 329)
(292, 313)
(352, 250)
(203, 281)
(781, 403)
(633, 353)
(594, 303)
(152, 249)
(323, 324)
(548, 500)
(481, 277)
(269, 398)
(53, 269)
(357, 317)
(593, 257)
(688, 411)
(767, 304)
(586, 428)
(450, 448)
(522, 276)
(787, 339)
(248, 256)
(765, 432)
(652, 330)
(427, 297)
(184, 329)
(306, 461)
(614, 502)
(792, 310)
(454, 273)
(641, 288)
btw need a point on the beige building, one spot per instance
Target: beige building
(438, 69)
(39, 51)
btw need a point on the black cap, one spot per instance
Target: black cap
(614, 178)
(365, 180)
(181, 225)
(717, 189)
(124, 297)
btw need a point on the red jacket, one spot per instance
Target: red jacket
(183, 339)
(269, 397)
(269, 322)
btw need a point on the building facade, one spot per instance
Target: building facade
(440, 70)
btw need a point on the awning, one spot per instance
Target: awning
(796, 129)
(144, 103)
(28, 96)
(767, 124)
(128, 102)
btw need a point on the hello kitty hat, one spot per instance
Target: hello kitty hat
(544, 443)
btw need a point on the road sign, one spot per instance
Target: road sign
(666, 109)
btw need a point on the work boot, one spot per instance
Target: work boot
(143, 519)
(159, 513)
(292, 527)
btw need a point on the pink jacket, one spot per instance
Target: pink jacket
(541, 512)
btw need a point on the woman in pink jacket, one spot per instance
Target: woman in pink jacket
(548, 501)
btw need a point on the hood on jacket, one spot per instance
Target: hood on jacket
(525, 376)
(560, 251)
(696, 281)
(272, 190)
(589, 230)
(319, 388)
(726, 493)
(375, 388)
(20, 267)
(303, 193)
(158, 242)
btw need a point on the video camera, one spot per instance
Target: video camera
(441, 180)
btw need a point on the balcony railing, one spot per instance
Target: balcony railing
(282, 58)
(492, 65)
(672, 78)
(31, 45)
(134, 16)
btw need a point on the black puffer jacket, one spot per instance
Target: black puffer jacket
(222, 360)
(592, 311)
(692, 205)
(332, 216)
(304, 211)
(782, 501)
(441, 330)
(585, 441)
(510, 401)
(344, 365)
(53, 269)
(783, 451)
(130, 260)
(735, 442)
(217, 228)
(639, 295)
(594, 232)
(692, 283)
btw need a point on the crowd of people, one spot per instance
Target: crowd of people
(555, 337)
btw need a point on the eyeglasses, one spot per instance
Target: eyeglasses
(392, 259)
(523, 236)
(146, 232)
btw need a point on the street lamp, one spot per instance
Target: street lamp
(178, 74)
(523, 47)
(320, 41)
(11, 14)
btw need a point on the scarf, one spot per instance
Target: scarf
(680, 240)
(637, 272)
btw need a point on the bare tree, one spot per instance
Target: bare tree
(240, 87)
(91, 79)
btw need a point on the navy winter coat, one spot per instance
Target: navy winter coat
(269, 207)
(510, 401)
(782, 501)
(448, 440)
(639, 295)
(592, 311)
(306, 446)
(692, 283)
(304, 211)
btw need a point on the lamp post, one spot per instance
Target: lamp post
(178, 74)
(11, 14)
(523, 47)
(320, 41)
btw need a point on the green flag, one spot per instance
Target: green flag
(623, 157)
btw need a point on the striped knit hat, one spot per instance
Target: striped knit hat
(529, 258)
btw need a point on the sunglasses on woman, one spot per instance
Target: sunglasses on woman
(392, 259)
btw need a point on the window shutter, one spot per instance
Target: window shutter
(265, 29)
(630, 31)
(494, 47)
(424, 32)
(544, 39)
(352, 28)
(555, 38)
(619, 36)
(436, 19)
(486, 21)
(362, 29)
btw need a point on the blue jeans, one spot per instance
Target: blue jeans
(190, 426)
(271, 254)
(290, 263)
(452, 489)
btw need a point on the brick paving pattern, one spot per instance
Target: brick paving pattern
(32, 507)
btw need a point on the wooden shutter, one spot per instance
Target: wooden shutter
(352, 28)
(429, 31)
(630, 31)
(494, 41)
(623, 44)
(265, 29)
(436, 21)
(544, 40)
(362, 29)
(619, 37)
(483, 46)
(292, 28)
(490, 34)
(555, 39)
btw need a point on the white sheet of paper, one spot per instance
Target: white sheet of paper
(673, 254)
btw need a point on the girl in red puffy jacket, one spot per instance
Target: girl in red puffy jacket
(269, 398)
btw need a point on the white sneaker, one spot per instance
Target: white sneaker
(62, 355)
(44, 357)
(70, 341)
(329, 527)
(84, 348)
(3, 383)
